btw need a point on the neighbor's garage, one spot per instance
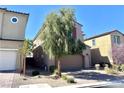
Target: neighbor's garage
(8, 59)
(72, 62)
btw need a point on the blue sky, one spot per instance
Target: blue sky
(95, 19)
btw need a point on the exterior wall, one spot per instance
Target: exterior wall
(39, 56)
(79, 32)
(113, 44)
(1, 21)
(11, 44)
(37, 42)
(68, 62)
(12, 34)
(9, 30)
(117, 34)
(87, 57)
(102, 50)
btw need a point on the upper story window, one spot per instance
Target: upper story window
(93, 42)
(116, 39)
(14, 20)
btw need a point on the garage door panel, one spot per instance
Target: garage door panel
(8, 59)
(71, 62)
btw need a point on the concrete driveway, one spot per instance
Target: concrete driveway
(94, 75)
(6, 79)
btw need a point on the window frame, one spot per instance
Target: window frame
(116, 39)
(13, 18)
(93, 42)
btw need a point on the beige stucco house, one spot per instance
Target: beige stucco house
(69, 62)
(12, 35)
(102, 45)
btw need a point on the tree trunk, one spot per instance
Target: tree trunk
(56, 63)
(59, 68)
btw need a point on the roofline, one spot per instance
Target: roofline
(5, 9)
(78, 23)
(10, 39)
(103, 34)
(38, 32)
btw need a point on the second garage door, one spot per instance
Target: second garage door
(72, 62)
(8, 59)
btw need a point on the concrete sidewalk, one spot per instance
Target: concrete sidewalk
(6, 80)
(85, 85)
(35, 86)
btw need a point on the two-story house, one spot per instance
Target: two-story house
(12, 35)
(75, 62)
(102, 45)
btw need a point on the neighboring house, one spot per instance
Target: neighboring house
(69, 62)
(12, 35)
(102, 45)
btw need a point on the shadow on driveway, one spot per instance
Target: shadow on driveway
(95, 76)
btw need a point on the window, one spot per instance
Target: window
(116, 39)
(14, 19)
(93, 42)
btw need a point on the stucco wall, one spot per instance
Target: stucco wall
(39, 56)
(9, 30)
(112, 42)
(117, 34)
(87, 57)
(79, 32)
(1, 20)
(102, 50)
(12, 34)
(11, 44)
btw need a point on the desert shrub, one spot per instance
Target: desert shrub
(115, 67)
(35, 73)
(64, 77)
(97, 66)
(51, 69)
(24, 78)
(110, 70)
(70, 80)
(122, 67)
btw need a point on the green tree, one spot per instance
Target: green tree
(26, 50)
(57, 35)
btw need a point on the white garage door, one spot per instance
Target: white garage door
(8, 59)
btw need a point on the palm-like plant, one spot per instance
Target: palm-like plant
(67, 19)
(57, 37)
(56, 33)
